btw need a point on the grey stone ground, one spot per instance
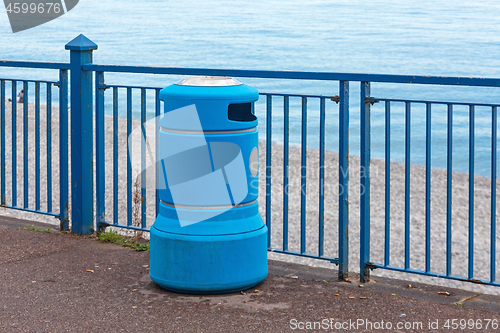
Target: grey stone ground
(46, 288)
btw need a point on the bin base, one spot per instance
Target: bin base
(168, 285)
(208, 264)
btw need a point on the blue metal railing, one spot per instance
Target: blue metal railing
(82, 191)
(131, 218)
(62, 214)
(449, 183)
(113, 218)
(285, 247)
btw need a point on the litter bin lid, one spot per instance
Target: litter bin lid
(222, 104)
(208, 81)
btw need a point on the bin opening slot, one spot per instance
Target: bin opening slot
(241, 112)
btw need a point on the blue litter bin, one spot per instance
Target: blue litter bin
(208, 236)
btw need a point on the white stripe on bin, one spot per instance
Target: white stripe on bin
(208, 207)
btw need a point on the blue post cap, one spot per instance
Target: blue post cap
(81, 43)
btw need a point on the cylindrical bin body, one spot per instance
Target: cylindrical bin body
(208, 236)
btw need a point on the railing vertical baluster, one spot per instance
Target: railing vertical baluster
(343, 179)
(49, 147)
(143, 159)
(2, 139)
(303, 184)
(14, 143)
(63, 150)
(493, 193)
(25, 144)
(129, 163)
(322, 116)
(269, 127)
(365, 182)
(157, 152)
(428, 188)
(286, 101)
(407, 182)
(100, 146)
(37, 145)
(387, 247)
(449, 192)
(471, 192)
(115, 155)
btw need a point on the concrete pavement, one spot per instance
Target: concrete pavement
(53, 282)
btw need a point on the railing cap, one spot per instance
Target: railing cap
(81, 43)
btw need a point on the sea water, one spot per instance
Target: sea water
(444, 37)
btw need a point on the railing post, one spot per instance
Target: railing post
(82, 203)
(365, 183)
(343, 179)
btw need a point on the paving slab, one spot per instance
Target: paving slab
(53, 282)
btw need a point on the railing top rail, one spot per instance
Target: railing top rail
(296, 75)
(29, 80)
(376, 99)
(334, 98)
(106, 86)
(34, 64)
